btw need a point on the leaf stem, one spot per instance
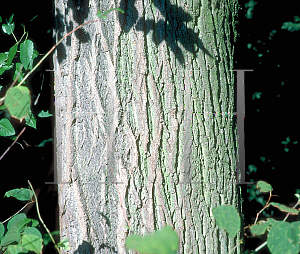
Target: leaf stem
(38, 212)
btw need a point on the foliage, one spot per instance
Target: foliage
(250, 6)
(228, 219)
(291, 26)
(251, 189)
(21, 234)
(283, 237)
(104, 14)
(164, 241)
(17, 100)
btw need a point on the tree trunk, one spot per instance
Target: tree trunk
(138, 145)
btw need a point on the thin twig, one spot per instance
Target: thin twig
(38, 212)
(263, 245)
(16, 212)
(13, 143)
(16, 77)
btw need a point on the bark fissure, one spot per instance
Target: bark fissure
(139, 129)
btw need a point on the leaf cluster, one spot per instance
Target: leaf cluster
(283, 237)
(21, 234)
(17, 101)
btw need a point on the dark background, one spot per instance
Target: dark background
(272, 118)
(24, 162)
(269, 120)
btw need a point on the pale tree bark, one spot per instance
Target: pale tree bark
(136, 137)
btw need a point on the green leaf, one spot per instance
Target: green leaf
(261, 227)
(6, 129)
(20, 225)
(290, 26)
(26, 53)
(11, 18)
(33, 18)
(17, 101)
(3, 58)
(22, 194)
(263, 186)
(32, 231)
(164, 241)
(5, 68)
(104, 14)
(15, 249)
(10, 237)
(0, 19)
(287, 140)
(228, 219)
(30, 120)
(8, 28)
(32, 243)
(34, 55)
(21, 76)
(284, 208)
(42, 144)
(2, 230)
(64, 244)
(283, 238)
(47, 238)
(296, 226)
(256, 95)
(296, 19)
(12, 53)
(14, 221)
(3, 106)
(44, 114)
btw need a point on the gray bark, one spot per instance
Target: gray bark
(136, 138)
